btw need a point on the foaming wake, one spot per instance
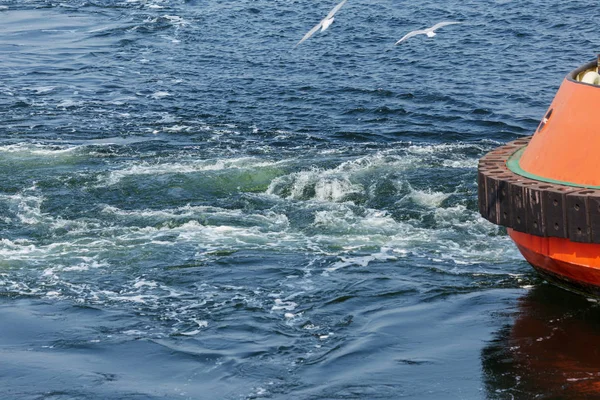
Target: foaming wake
(32, 149)
(190, 167)
(332, 218)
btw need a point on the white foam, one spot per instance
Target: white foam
(42, 89)
(360, 261)
(38, 149)
(78, 267)
(119, 101)
(87, 264)
(351, 235)
(345, 220)
(101, 29)
(134, 332)
(341, 231)
(177, 128)
(140, 299)
(311, 327)
(69, 103)
(338, 183)
(424, 149)
(201, 325)
(144, 283)
(325, 186)
(428, 198)
(192, 166)
(467, 163)
(335, 189)
(176, 20)
(160, 95)
(283, 305)
(28, 207)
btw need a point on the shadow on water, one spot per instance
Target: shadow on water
(549, 352)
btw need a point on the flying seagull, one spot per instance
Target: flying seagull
(324, 24)
(427, 31)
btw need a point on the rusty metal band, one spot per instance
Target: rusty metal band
(535, 207)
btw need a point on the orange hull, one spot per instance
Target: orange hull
(564, 152)
(546, 189)
(575, 266)
(566, 149)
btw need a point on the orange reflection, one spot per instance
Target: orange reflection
(551, 351)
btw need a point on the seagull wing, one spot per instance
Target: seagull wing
(310, 33)
(335, 9)
(440, 24)
(411, 34)
(320, 24)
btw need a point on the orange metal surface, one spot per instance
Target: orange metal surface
(576, 262)
(567, 148)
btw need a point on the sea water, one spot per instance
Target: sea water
(191, 207)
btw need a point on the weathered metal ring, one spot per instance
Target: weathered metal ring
(535, 207)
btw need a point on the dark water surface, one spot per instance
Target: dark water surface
(191, 208)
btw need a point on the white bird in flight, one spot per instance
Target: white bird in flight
(427, 31)
(324, 24)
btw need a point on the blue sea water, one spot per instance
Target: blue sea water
(193, 208)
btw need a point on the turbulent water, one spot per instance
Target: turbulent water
(191, 207)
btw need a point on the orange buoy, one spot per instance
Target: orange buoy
(546, 188)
